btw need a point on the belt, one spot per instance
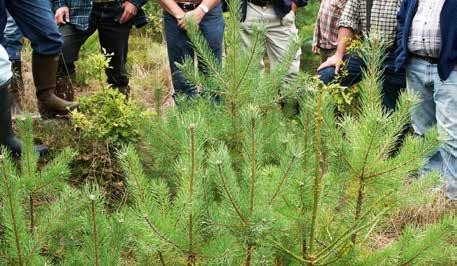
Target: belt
(261, 2)
(188, 6)
(431, 60)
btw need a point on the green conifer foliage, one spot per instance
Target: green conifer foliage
(237, 182)
(21, 242)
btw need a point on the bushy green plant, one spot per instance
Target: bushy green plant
(109, 117)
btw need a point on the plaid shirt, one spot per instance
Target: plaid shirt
(80, 11)
(425, 35)
(326, 31)
(383, 18)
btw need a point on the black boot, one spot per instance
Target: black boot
(7, 137)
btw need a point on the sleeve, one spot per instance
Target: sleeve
(300, 3)
(401, 17)
(350, 16)
(56, 4)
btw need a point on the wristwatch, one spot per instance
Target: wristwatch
(204, 8)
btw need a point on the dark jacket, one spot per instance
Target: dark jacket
(281, 7)
(80, 11)
(448, 27)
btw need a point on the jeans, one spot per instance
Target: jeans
(438, 107)
(36, 21)
(179, 47)
(113, 37)
(13, 39)
(393, 82)
(5, 67)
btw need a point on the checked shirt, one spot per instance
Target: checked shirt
(80, 11)
(383, 18)
(326, 31)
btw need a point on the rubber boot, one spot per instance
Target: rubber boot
(16, 88)
(7, 137)
(64, 86)
(44, 70)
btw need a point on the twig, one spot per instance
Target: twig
(282, 180)
(191, 257)
(94, 230)
(229, 195)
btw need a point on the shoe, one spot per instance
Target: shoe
(44, 70)
(16, 88)
(7, 137)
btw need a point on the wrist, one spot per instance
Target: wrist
(203, 8)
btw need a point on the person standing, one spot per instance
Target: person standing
(279, 19)
(79, 19)
(13, 45)
(209, 18)
(427, 48)
(35, 20)
(360, 18)
(326, 31)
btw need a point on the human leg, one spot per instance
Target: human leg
(280, 35)
(36, 21)
(114, 38)
(178, 48)
(423, 114)
(73, 39)
(7, 137)
(446, 101)
(351, 72)
(13, 45)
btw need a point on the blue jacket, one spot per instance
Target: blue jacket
(448, 26)
(281, 7)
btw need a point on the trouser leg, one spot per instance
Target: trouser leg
(73, 39)
(212, 28)
(280, 35)
(114, 39)
(178, 48)
(445, 96)
(13, 39)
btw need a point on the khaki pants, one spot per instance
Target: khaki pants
(279, 35)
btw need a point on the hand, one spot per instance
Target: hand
(294, 7)
(62, 15)
(336, 60)
(315, 49)
(196, 14)
(129, 12)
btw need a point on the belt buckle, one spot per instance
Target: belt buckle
(188, 6)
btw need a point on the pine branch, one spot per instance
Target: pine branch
(282, 180)
(253, 163)
(162, 237)
(11, 206)
(361, 184)
(191, 257)
(94, 230)
(317, 175)
(229, 195)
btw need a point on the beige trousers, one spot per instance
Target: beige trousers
(279, 35)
